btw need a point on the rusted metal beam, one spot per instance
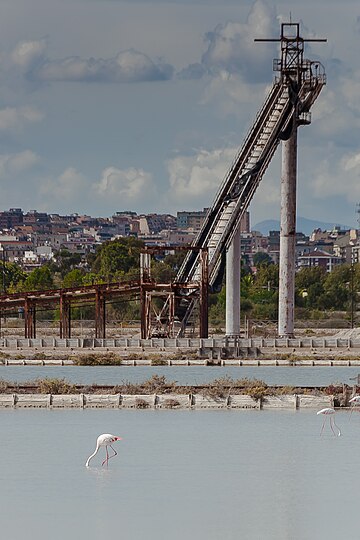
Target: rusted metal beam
(143, 318)
(30, 319)
(100, 311)
(65, 317)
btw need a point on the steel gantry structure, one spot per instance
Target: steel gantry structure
(65, 299)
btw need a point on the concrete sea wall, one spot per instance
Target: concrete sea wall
(164, 401)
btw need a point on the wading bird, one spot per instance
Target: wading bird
(104, 440)
(329, 413)
(354, 404)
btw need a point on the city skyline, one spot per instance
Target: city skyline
(110, 105)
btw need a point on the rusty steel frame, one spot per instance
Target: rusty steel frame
(159, 320)
(66, 298)
(65, 317)
(165, 316)
(100, 314)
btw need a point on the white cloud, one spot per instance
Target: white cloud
(16, 163)
(231, 47)
(15, 119)
(195, 179)
(28, 54)
(232, 95)
(68, 186)
(127, 66)
(337, 175)
(128, 185)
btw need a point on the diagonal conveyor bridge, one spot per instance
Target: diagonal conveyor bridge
(288, 101)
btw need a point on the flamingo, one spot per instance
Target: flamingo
(104, 440)
(329, 411)
(355, 402)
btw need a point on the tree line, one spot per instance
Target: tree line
(316, 291)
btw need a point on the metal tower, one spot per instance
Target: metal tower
(294, 72)
(287, 105)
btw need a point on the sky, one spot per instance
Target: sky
(112, 105)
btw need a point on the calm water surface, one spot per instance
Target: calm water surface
(293, 376)
(210, 475)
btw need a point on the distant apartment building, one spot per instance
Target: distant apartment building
(259, 242)
(33, 217)
(245, 223)
(177, 238)
(160, 222)
(355, 254)
(191, 220)
(11, 219)
(343, 245)
(54, 240)
(14, 250)
(122, 224)
(246, 245)
(320, 258)
(274, 246)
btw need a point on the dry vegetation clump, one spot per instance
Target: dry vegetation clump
(97, 359)
(224, 386)
(157, 384)
(141, 403)
(158, 361)
(40, 356)
(170, 403)
(54, 386)
(127, 387)
(285, 390)
(184, 355)
(254, 388)
(218, 388)
(333, 390)
(5, 386)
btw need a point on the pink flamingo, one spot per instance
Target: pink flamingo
(329, 412)
(104, 440)
(355, 402)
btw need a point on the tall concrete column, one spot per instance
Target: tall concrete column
(287, 236)
(233, 275)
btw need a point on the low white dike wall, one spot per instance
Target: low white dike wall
(163, 401)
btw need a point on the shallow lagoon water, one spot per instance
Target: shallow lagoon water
(112, 375)
(201, 474)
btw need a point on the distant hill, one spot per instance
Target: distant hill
(303, 225)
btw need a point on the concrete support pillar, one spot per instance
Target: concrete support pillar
(233, 275)
(145, 277)
(287, 236)
(204, 294)
(145, 267)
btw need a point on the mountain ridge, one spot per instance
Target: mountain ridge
(304, 225)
